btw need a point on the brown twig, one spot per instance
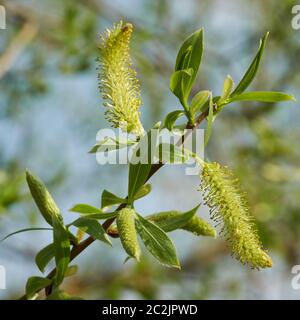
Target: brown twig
(15, 48)
(77, 249)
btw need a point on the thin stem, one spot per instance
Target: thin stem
(77, 249)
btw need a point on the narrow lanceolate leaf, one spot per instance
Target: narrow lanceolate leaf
(193, 45)
(100, 216)
(171, 118)
(118, 83)
(85, 209)
(42, 198)
(140, 167)
(110, 144)
(178, 82)
(138, 174)
(199, 100)
(143, 191)
(127, 232)
(157, 242)
(228, 206)
(93, 228)
(262, 96)
(170, 153)
(227, 88)
(35, 284)
(172, 220)
(44, 257)
(24, 230)
(209, 119)
(252, 70)
(110, 199)
(189, 57)
(61, 243)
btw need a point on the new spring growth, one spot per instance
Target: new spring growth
(118, 83)
(127, 232)
(229, 207)
(42, 198)
(196, 225)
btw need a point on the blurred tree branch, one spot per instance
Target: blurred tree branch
(16, 47)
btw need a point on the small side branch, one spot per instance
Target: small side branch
(16, 47)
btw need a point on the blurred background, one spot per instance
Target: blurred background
(50, 112)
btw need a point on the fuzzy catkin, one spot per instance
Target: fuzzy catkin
(196, 225)
(127, 232)
(228, 206)
(42, 198)
(118, 83)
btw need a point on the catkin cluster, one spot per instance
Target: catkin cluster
(228, 207)
(118, 83)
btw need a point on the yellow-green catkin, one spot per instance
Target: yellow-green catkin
(196, 225)
(228, 207)
(127, 232)
(42, 198)
(118, 82)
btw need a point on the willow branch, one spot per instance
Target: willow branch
(78, 249)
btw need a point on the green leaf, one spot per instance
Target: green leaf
(173, 220)
(101, 216)
(209, 119)
(44, 257)
(199, 101)
(252, 70)
(109, 199)
(194, 45)
(169, 153)
(262, 96)
(93, 228)
(85, 209)
(62, 295)
(178, 84)
(96, 147)
(24, 230)
(157, 242)
(61, 243)
(176, 221)
(143, 191)
(189, 57)
(35, 284)
(110, 144)
(171, 118)
(227, 88)
(138, 172)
